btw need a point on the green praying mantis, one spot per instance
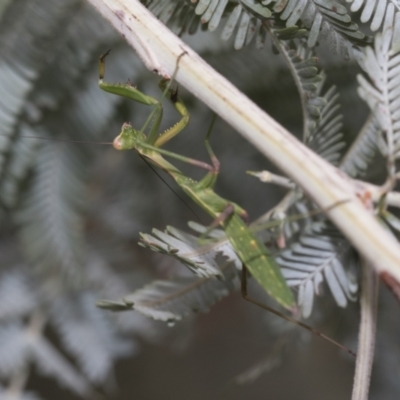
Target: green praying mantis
(231, 217)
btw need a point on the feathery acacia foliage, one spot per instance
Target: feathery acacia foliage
(70, 213)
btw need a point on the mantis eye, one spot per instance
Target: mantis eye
(118, 143)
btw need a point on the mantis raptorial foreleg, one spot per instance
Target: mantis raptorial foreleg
(123, 89)
(131, 92)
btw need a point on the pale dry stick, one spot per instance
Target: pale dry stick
(367, 333)
(376, 192)
(159, 48)
(269, 177)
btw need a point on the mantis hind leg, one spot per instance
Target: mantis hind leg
(243, 288)
(224, 215)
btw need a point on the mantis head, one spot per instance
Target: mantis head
(128, 138)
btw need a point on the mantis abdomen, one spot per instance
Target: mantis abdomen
(255, 256)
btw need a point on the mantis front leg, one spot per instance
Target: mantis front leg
(131, 92)
(123, 89)
(172, 95)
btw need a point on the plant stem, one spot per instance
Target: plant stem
(366, 336)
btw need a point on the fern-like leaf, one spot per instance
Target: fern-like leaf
(322, 122)
(303, 65)
(17, 164)
(325, 137)
(327, 19)
(382, 93)
(383, 13)
(29, 101)
(178, 14)
(318, 255)
(52, 228)
(187, 249)
(173, 300)
(362, 150)
(23, 56)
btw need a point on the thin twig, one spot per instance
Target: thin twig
(269, 177)
(366, 336)
(376, 192)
